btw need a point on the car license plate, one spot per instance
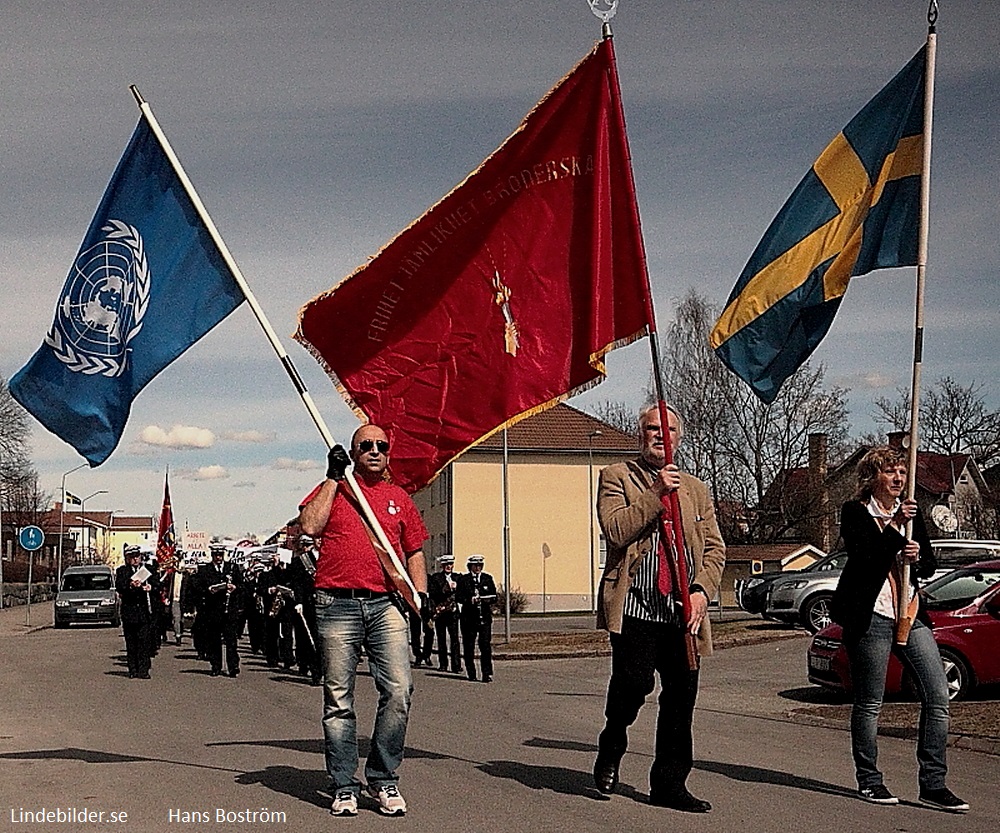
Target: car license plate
(87, 610)
(819, 663)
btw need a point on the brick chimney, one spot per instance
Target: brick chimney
(818, 486)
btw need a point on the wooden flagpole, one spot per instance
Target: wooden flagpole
(904, 621)
(408, 590)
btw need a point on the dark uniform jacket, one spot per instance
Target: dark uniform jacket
(871, 552)
(467, 588)
(216, 604)
(135, 602)
(441, 594)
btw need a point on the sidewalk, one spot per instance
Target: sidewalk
(14, 620)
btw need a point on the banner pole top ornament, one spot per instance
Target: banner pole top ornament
(604, 10)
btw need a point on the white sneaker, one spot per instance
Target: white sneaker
(390, 802)
(345, 803)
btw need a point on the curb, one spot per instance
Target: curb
(973, 743)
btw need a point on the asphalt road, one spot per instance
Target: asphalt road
(514, 755)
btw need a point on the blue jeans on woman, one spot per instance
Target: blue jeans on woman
(344, 626)
(869, 659)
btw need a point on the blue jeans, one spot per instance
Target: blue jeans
(344, 626)
(869, 658)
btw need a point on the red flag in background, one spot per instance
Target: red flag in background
(166, 541)
(503, 298)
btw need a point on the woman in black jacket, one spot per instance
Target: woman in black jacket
(865, 604)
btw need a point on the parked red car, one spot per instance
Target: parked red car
(964, 608)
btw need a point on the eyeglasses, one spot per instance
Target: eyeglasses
(367, 445)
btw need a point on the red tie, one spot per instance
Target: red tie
(664, 576)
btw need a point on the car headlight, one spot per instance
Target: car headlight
(62, 603)
(796, 585)
(107, 602)
(752, 582)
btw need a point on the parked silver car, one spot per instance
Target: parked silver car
(87, 594)
(803, 597)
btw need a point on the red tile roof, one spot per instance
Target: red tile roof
(937, 473)
(562, 428)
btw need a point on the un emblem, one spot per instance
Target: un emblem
(105, 300)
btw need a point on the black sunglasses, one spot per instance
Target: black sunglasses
(367, 445)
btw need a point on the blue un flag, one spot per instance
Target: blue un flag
(149, 281)
(857, 209)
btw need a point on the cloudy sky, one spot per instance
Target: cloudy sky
(315, 131)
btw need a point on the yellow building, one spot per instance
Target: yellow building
(100, 537)
(556, 547)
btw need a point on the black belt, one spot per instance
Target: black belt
(348, 593)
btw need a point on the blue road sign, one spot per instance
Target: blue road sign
(31, 538)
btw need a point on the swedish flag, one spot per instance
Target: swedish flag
(857, 209)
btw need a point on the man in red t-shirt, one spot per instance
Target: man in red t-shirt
(357, 607)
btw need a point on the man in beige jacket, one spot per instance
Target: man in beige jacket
(645, 623)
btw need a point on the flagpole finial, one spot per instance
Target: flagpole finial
(136, 94)
(932, 14)
(605, 10)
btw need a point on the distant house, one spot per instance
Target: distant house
(556, 547)
(803, 504)
(744, 560)
(100, 537)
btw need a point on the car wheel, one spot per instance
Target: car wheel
(816, 613)
(957, 673)
(59, 625)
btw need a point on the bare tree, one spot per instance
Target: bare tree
(954, 419)
(617, 414)
(700, 387)
(736, 442)
(14, 431)
(15, 469)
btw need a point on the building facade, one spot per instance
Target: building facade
(553, 461)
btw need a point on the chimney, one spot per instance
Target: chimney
(818, 486)
(897, 439)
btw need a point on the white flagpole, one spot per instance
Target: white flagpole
(904, 622)
(272, 336)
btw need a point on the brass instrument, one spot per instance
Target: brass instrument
(449, 605)
(281, 595)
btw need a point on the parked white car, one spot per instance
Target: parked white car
(957, 552)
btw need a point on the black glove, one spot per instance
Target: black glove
(426, 609)
(337, 462)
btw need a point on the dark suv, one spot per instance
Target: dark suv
(751, 592)
(87, 594)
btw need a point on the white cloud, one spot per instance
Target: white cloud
(288, 464)
(871, 381)
(178, 437)
(205, 473)
(248, 436)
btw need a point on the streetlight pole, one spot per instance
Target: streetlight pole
(590, 512)
(83, 513)
(62, 517)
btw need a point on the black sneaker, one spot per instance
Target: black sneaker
(945, 799)
(878, 795)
